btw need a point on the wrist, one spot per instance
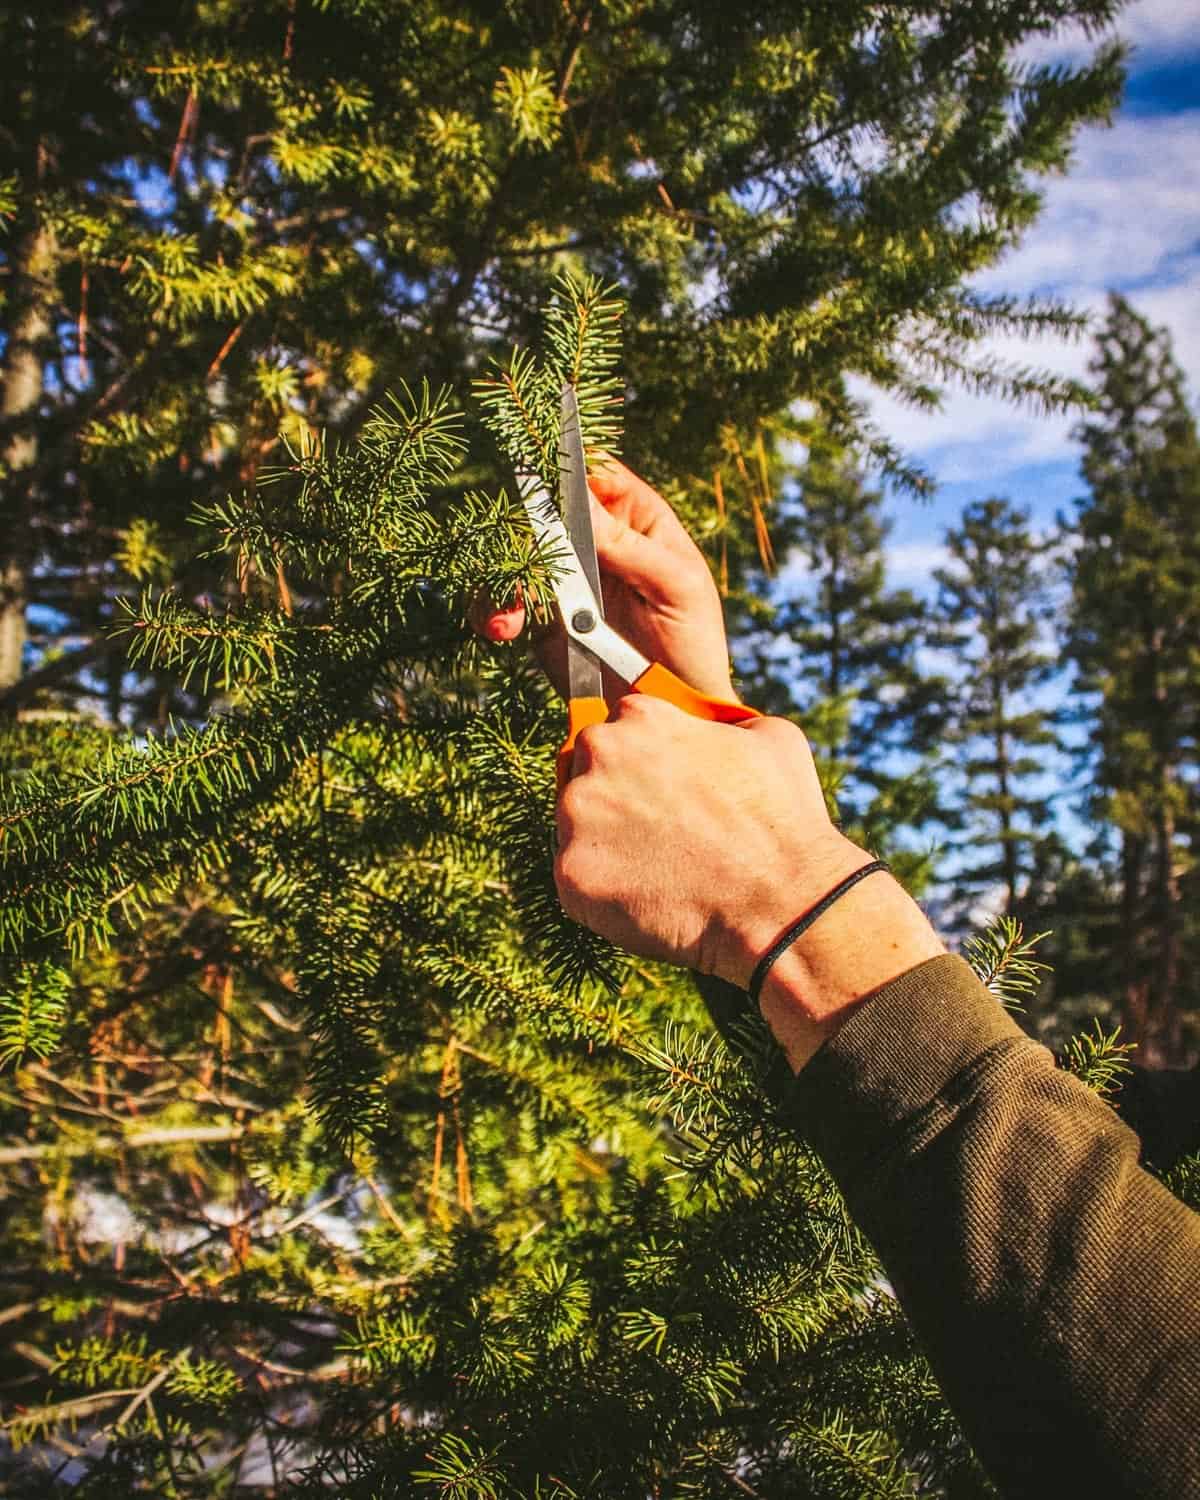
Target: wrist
(783, 888)
(871, 935)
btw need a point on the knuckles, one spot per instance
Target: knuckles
(567, 812)
(605, 744)
(591, 745)
(563, 882)
(639, 708)
(785, 732)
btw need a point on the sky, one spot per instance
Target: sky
(1126, 217)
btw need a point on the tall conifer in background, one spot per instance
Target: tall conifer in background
(1135, 637)
(993, 609)
(841, 647)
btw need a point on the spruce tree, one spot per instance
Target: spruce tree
(840, 647)
(1135, 638)
(414, 1189)
(1068, 898)
(333, 1155)
(395, 1162)
(993, 610)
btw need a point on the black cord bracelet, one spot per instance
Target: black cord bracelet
(805, 921)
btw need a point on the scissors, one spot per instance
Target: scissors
(567, 542)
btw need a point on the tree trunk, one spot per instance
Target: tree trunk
(832, 582)
(1008, 848)
(1163, 1047)
(1134, 987)
(29, 329)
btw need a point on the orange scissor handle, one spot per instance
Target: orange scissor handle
(581, 712)
(658, 681)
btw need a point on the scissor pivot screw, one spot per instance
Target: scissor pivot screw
(583, 620)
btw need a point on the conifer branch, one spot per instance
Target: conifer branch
(1098, 1058)
(581, 348)
(1003, 958)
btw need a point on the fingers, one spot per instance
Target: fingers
(775, 727)
(639, 539)
(583, 756)
(630, 499)
(661, 574)
(634, 558)
(598, 745)
(547, 641)
(496, 624)
(789, 737)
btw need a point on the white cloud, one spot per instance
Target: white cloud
(1159, 31)
(796, 569)
(1177, 307)
(973, 437)
(1128, 210)
(1161, 28)
(1126, 217)
(910, 565)
(913, 563)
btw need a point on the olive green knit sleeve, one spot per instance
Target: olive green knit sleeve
(1054, 1284)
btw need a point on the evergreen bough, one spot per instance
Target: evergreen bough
(418, 1189)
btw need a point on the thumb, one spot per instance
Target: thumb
(636, 559)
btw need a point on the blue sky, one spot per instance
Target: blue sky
(1126, 216)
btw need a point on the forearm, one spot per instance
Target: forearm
(1051, 1280)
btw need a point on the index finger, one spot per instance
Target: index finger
(641, 507)
(496, 623)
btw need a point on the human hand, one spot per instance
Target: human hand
(658, 591)
(700, 843)
(675, 835)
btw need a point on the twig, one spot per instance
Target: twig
(275, 1015)
(219, 357)
(311, 1213)
(148, 1390)
(60, 1409)
(386, 1209)
(33, 1354)
(18, 1310)
(334, 1370)
(186, 126)
(168, 1136)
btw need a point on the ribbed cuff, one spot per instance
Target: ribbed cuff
(895, 1055)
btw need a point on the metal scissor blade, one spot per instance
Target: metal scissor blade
(584, 677)
(573, 591)
(584, 674)
(577, 504)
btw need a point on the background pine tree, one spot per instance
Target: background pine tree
(840, 650)
(1134, 633)
(992, 615)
